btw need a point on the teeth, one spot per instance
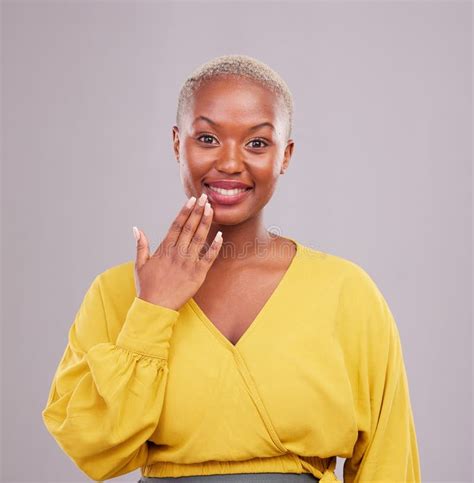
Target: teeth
(223, 191)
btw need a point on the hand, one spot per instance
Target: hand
(174, 273)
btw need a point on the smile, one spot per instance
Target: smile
(225, 196)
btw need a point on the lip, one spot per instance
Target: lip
(217, 198)
(228, 184)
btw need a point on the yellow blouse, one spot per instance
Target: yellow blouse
(318, 374)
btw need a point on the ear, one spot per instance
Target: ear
(175, 133)
(290, 145)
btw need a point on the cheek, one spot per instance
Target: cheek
(188, 152)
(197, 160)
(266, 170)
(192, 173)
(265, 186)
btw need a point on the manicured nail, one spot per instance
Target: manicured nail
(207, 209)
(202, 199)
(136, 233)
(218, 236)
(190, 202)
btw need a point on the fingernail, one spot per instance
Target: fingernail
(190, 202)
(207, 209)
(136, 233)
(202, 199)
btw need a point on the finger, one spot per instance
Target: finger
(177, 225)
(142, 249)
(190, 226)
(212, 252)
(200, 235)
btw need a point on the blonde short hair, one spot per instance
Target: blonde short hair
(237, 65)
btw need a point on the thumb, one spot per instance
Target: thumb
(142, 247)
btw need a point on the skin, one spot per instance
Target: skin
(231, 151)
(240, 276)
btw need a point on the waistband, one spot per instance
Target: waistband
(236, 478)
(322, 469)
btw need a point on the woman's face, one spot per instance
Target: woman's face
(220, 140)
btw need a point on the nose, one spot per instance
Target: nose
(230, 160)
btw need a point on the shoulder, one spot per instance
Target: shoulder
(117, 287)
(119, 276)
(359, 299)
(336, 268)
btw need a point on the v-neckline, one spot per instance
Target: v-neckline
(219, 335)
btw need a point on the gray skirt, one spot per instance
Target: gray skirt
(236, 478)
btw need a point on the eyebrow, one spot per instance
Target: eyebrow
(210, 121)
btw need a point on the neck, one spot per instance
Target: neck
(242, 241)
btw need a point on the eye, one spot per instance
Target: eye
(205, 136)
(258, 140)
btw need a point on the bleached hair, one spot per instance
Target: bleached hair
(238, 65)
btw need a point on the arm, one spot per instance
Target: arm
(386, 449)
(106, 398)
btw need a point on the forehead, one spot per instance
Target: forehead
(231, 100)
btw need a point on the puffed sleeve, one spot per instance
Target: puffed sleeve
(106, 396)
(386, 449)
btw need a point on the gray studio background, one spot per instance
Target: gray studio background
(381, 175)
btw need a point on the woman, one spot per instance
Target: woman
(230, 354)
